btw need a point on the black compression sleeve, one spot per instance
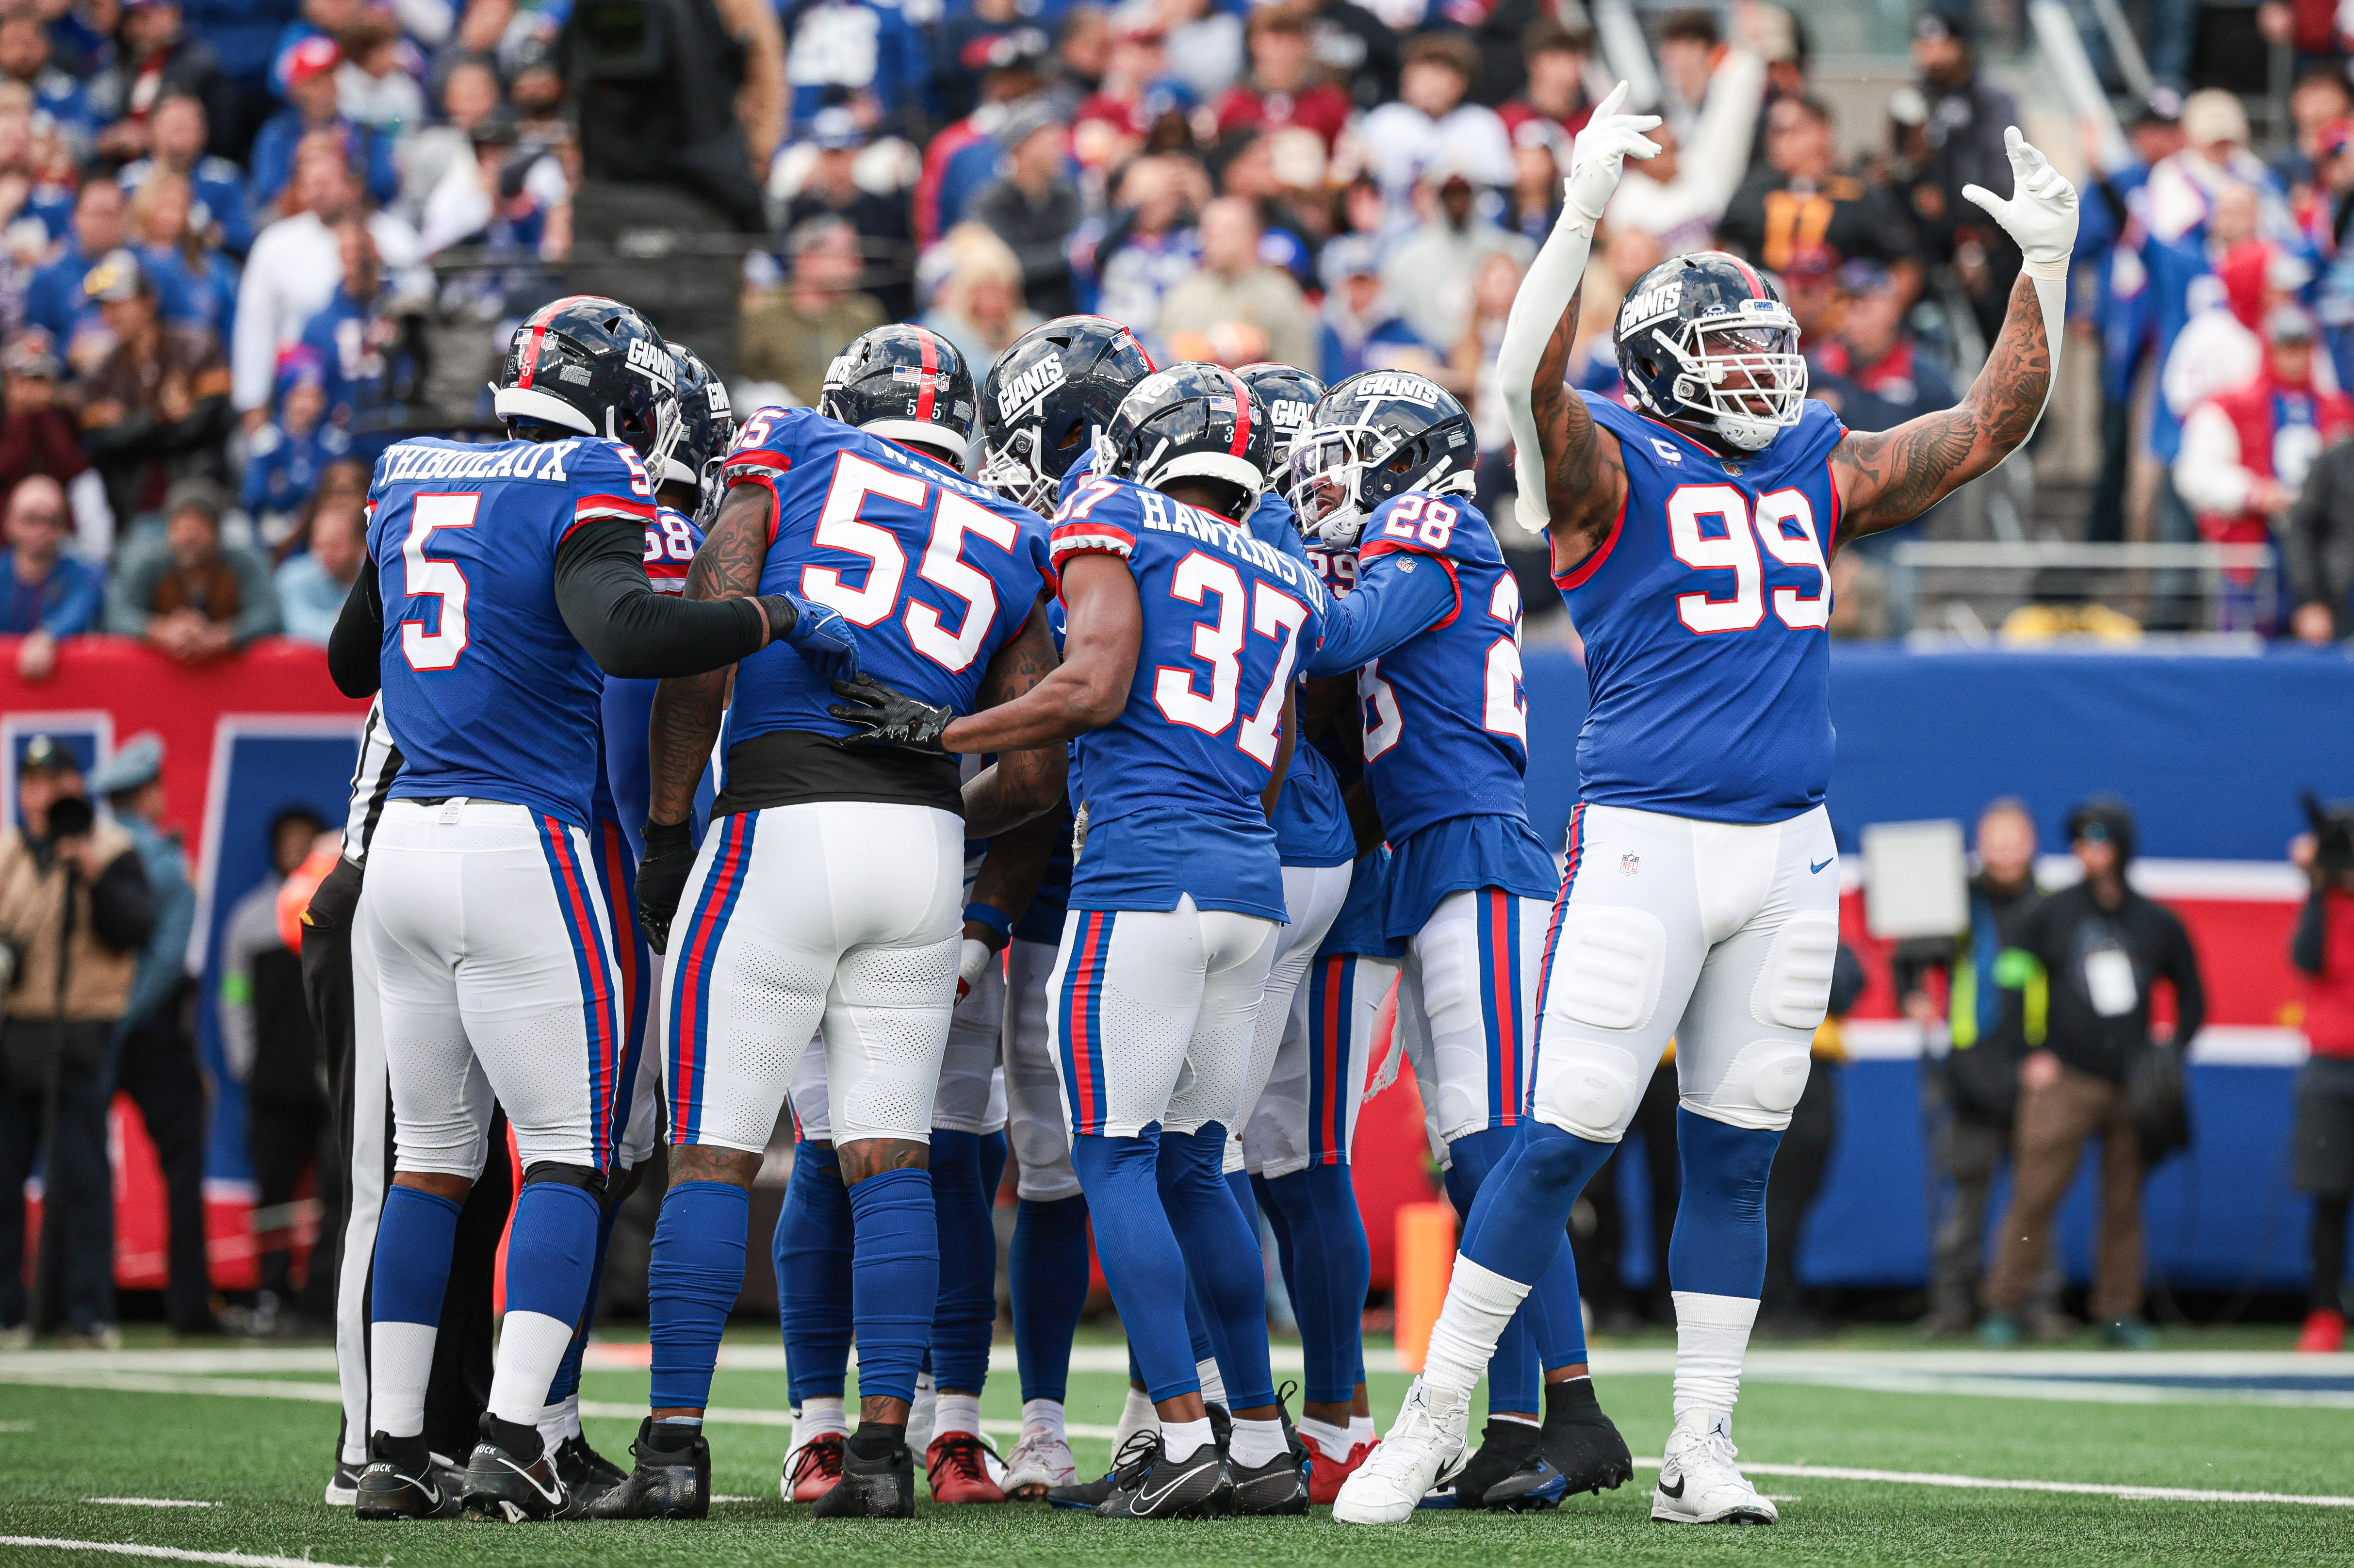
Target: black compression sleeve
(355, 647)
(630, 630)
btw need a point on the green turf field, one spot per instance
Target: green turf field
(250, 1434)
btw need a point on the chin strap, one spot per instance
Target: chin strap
(1546, 292)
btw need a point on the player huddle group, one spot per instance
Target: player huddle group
(1095, 747)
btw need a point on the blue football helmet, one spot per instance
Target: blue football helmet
(1379, 433)
(1704, 341)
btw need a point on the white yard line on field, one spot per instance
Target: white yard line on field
(174, 1553)
(153, 1502)
(1988, 1483)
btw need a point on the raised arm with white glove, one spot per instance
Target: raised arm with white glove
(1609, 139)
(2041, 218)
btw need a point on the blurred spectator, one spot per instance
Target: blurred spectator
(75, 905)
(177, 146)
(1283, 191)
(1533, 204)
(2322, 95)
(1967, 115)
(1555, 89)
(155, 1060)
(536, 96)
(832, 186)
(1148, 244)
(1431, 122)
(311, 585)
(469, 97)
(56, 301)
(2323, 951)
(24, 58)
(1975, 1086)
(157, 407)
(1687, 54)
(1139, 107)
(269, 1046)
(1796, 1178)
(1680, 195)
(1082, 53)
(856, 49)
(2100, 946)
(370, 372)
(312, 108)
(963, 160)
(1355, 48)
(195, 285)
(372, 88)
(2246, 454)
(1801, 191)
(294, 269)
(45, 595)
(1285, 85)
(1205, 45)
(1234, 285)
(188, 596)
(2120, 302)
(977, 306)
(284, 457)
(2319, 549)
(154, 60)
(1362, 329)
(1859, 598)
(1431, 267)
(964, 42)
(1869, 368)
(506, 199)
(793, 334)
(37, 434)
(1035, 208)
(2192, 219)
(1470, 371)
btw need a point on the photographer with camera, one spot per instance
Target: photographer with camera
(2093, 1071)
(2323, 951)
(75, 911)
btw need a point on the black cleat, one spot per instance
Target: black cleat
(1578, 1450)
(879, 1487)
(1127, 1467)
(1279, 1486)
(402, 1481)
(511, 1476)
(343, 1486)
(1504, 1447)
(670, 1482)
(1198, 1488)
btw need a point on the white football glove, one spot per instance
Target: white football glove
(1602, 150)
(2040, 215)
(973, 962)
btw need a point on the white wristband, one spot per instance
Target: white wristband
(2049, 271)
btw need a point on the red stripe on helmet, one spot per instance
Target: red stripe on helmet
(538, 325)
(931, 368)
(1242, 415)
(1757, 284)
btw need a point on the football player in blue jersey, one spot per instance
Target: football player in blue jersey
(707, 426)
(1692, 536)
(830, 884)
(504, 583)
(1432, 628)
(1183, 639)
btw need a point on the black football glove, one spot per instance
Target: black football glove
(880, 716)
(662, 879)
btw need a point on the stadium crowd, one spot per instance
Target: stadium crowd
(220, 222)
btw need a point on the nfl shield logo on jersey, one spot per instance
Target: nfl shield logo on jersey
(1628, 864)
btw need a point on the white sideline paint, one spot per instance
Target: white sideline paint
(152, 1502)
(172, 1553)
(2079, 1489)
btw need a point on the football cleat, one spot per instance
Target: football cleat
(397, 1483)
(881, 1487)
(1578, 1450)
(1199, 1487)
(811, 1469)
(1699, 1482)
(1326, 1471)
(957, 1469)
(1040, 1462)
(343, 1486)
(671, 1481)
(511, 1477)
(587, 1474)
(1504, 1447)
(1423, 1450)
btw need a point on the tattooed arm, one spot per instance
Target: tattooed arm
(1584, 473)
(687, 708)
(1089, 689)
(1022, 783)
(1889, 477)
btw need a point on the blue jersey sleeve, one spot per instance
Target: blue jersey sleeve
(1396, 598)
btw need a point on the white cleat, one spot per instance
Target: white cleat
(1424, 1449)
(1699, 1482)
(1040, 1460)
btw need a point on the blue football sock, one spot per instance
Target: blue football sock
(1049, 1268)
(812, 1252)
(1222, 1259)
(1141, 1257)
(696, 1275)
(967, 1310)
(894, 1279)
(1197, 1321)
(1278, 1225)
(995, 1150)
(414, 1237)
(1514, 1376)
(1560, 1324)
(1332, 1271)
(551, 1245)
(567, 1371)
(1719, 1244)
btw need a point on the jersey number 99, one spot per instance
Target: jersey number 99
(1784, 524)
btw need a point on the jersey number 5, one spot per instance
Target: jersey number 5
(1273, 614)
(422, 578)
(1784, 524)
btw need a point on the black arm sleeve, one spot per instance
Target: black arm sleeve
(122, 904)
(2305, 947)
(630, 630)
(355, 647)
